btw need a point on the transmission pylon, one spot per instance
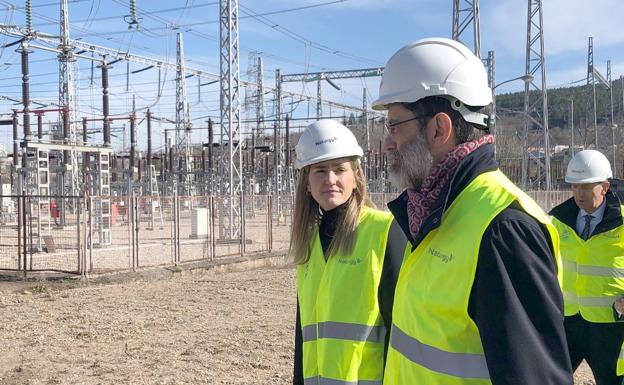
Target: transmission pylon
(67, 97)
(254, 110)
(259, 134)
(183, 122)
(465, 14)
(231, 158)
(535, 104)
(613, 125)
(593, 76)
(591, 81)
(260, 101)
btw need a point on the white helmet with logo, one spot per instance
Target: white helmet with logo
(324, 140)
(588, 166)
(436, 67)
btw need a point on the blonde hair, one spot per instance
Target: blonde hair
(306, 217)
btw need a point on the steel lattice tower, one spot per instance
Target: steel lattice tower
(591, 81)
(464, 17)
(535, 102)
(183, 121)
(259, 134)
(231, 159)
(260, 101)
(613, 125)
(254, 110)
(66, 94)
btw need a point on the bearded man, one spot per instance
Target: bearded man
(478, 300)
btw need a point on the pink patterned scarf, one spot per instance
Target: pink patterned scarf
(420, 201)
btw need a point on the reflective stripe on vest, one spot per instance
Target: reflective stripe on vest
(588, 301)
(328, 381)
(597, 271)
(620, 363)
(455, 364)
(569, 265)
(342, 328)
(344, 331)
(593, 272)
(433, 340)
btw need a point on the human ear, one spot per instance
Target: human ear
(443, 129)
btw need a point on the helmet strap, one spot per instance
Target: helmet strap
(482, 121)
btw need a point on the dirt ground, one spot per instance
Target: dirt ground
(200, 327)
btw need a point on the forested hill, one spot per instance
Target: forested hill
(559, 105)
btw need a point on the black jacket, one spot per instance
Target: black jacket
(515, 302)
(395, 248)
(567, 212)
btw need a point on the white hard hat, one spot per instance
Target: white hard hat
(436, 67)
(588, 166)
(324, 140)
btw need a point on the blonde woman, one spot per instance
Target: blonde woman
(347, 263)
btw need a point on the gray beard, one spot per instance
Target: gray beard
(409, 166)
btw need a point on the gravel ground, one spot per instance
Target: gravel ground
(201, 327)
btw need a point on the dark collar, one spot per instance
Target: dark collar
(478, 162)
(612, 218)
(330, 219)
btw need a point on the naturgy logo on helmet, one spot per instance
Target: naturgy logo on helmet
(329, 140)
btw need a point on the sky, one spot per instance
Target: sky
(295, 36)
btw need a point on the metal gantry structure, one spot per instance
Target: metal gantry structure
(536, 149)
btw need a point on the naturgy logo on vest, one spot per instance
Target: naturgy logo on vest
(350, 261)
(441, 256)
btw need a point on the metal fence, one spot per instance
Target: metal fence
(34, 239)
(102, 234)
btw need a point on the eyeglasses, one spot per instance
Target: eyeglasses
(392, 127)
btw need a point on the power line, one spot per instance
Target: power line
(144, 13)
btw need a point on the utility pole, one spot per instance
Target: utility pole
(536, 110)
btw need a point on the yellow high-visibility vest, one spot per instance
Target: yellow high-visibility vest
(593, 272)
(433, 339)
(343, 332)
